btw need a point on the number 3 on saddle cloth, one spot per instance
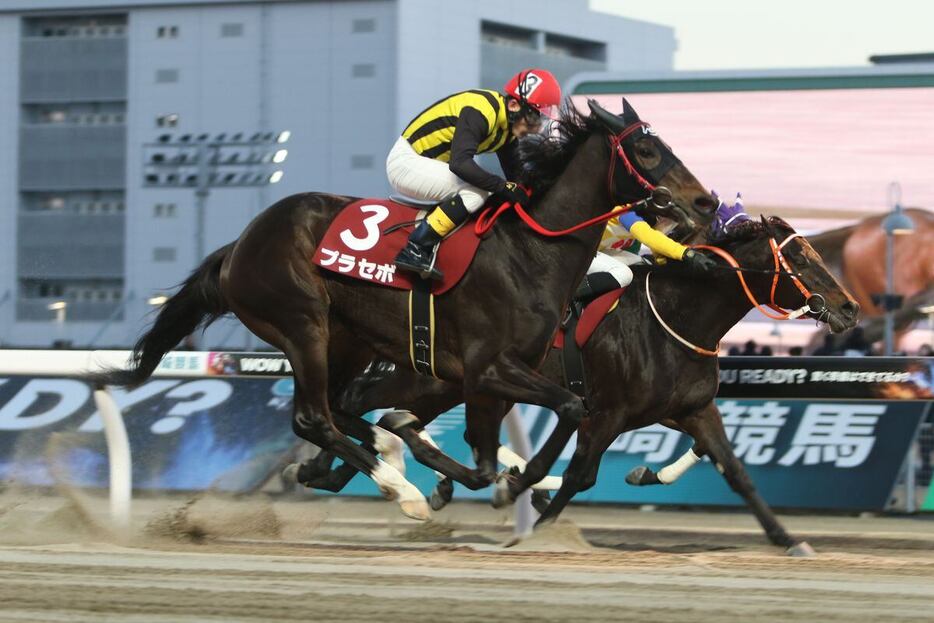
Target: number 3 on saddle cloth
(356, 246)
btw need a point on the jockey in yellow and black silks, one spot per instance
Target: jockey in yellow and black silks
(434, 158)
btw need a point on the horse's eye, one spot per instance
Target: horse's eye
(645, 152)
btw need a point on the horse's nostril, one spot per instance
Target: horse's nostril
(851, 309)
(704, 204)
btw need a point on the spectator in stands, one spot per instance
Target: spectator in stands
(750, 349)
(766, 351)
(926, 351)
(828, 348)
(733, 352)
(795, 351)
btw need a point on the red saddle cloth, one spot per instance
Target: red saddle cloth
(355, 245)
(592, 315)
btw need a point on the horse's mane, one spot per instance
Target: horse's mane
(544, 157)
(748, 230)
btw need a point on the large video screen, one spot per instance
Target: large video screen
(821, 158)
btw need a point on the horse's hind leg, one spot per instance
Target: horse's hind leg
(312, 421)
(706, 427)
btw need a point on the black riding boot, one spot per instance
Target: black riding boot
(418, 252)
(594, 285)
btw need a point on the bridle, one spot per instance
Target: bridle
(814, 304)
(628, 137)
(489, 215)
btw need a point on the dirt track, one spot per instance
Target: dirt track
(256, 560)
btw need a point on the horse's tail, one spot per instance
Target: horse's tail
(198, 302)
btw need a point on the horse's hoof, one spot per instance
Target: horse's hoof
(540, 501)
(441, 495)
(416, 509)
(801, 550)
(437, 501)
(290, 473)
(397, 420)
(641, 476)
(501, 495)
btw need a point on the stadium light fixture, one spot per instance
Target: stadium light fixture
(202, 161)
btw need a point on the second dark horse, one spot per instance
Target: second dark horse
(638, 373)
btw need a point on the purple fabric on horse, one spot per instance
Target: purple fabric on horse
(727, 215)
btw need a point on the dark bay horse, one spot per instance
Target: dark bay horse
(492, 331)
(638, 373)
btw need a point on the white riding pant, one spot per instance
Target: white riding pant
(423, 178)
(616, 264)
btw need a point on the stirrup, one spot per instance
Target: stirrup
(424, 270)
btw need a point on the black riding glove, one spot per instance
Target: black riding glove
(697, 262)
(511, 193)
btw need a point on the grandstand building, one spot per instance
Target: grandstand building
(90, 235)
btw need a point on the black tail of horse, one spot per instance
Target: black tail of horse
(198, 302)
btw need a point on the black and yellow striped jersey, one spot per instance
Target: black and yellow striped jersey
(458, 127)
(432, 132)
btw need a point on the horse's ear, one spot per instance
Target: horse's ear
(610, 121)
(767, 224)
(630, 116)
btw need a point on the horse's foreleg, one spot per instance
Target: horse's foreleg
(537, 468)
(511, 379)
(643, 475)
(581, 473)
(484, 418)
(706, 427)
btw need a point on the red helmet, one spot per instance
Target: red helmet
(537, 88)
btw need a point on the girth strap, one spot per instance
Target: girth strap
(422, 328)
(572, 356)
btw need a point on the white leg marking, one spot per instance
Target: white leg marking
(390, 446)
(410, 499)
(510, 459)
(423, 434)
(671, 473)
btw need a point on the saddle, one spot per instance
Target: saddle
(365, 237)
(575, 331)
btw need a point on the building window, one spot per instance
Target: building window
(361, 161)
(502, 34)
(363, 25)
(164, 210)
(363, 70)
(560, 45)
(167, 32)
(169, 120)
(231, 30)
(166, 75)
(163, 254)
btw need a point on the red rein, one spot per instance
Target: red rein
(488, 217)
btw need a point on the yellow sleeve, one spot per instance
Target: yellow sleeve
(659, 243)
